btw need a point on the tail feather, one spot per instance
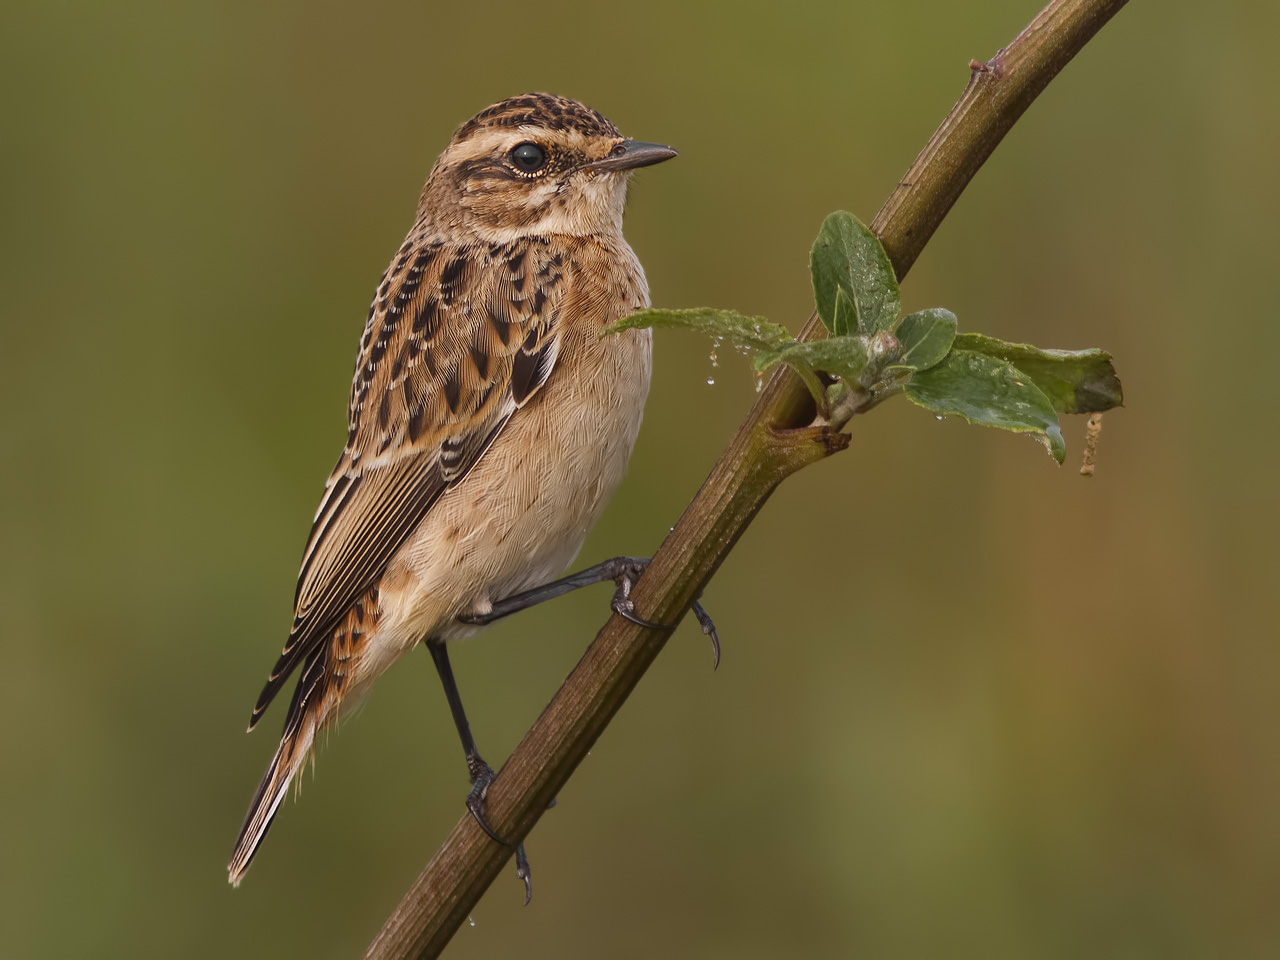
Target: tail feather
(291, 756)
(323, 691)
(307, 712)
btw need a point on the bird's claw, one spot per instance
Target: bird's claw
(522, 871)
(624, 607)
(481, 777)
(709, 628)
(622, 604)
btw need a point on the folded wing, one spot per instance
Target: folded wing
(458, 339)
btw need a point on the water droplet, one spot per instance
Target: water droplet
(759, 381)
(937, 416)
(471, 921)
(711, 381)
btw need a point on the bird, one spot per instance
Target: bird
(489, 422)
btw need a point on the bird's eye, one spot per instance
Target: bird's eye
(529, 157)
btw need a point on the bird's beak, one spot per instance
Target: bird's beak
(630, 154)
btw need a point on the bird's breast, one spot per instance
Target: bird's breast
(521, 514)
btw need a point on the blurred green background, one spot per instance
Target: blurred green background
(971, 704)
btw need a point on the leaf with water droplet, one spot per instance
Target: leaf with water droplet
(847, 256)
(845, 357)
(756, 333)
(849, 358)
(1075, 381)
(926, 337)
(988, 391)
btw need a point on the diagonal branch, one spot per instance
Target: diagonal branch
(777, 439)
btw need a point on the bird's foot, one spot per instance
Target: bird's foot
(709, 628)
(626, 572)
(522, 871)
(482, 775)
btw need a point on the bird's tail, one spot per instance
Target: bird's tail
(307, 714)
(333, 681)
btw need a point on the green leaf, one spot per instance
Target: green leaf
(845, 357)
(991, 392)
(855, 360)
(1075, 381)
(847, 256)
(845, 321)
(754, 332)
(925, 337)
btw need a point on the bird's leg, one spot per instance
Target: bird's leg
(481, 773)
(624, 571)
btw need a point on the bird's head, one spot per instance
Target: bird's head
(535, 164)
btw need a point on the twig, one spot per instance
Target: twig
(1092, 431)
(777, 439)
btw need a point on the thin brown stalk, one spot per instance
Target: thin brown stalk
(778, 438)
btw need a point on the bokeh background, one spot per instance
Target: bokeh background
(971, 704)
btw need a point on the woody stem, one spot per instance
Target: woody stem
(777, 439)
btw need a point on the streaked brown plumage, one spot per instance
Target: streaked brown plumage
(489, 422)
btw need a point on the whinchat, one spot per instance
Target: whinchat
(489, 422)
